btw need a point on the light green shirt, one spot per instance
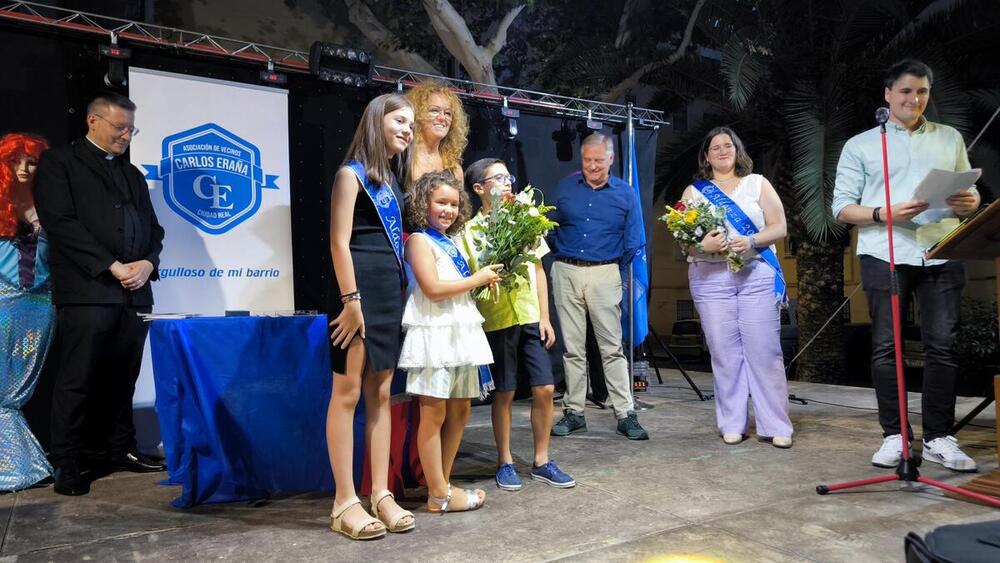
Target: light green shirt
(518, 306)
(911, 156)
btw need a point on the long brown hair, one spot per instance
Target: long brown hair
(368, 146)
(420, 198)
(744, 164)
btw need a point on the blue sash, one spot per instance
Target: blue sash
(384, 200)
(743, 225)
(449, 248)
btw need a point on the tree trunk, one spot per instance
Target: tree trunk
(454, 33)
(821, 290)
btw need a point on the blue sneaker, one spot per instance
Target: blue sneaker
(551, 474)
(507, 478)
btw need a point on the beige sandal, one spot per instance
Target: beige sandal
(392, 523)
(472, 502)
(356, 532)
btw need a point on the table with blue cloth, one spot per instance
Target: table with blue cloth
(242, 406)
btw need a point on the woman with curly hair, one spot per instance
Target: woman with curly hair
(26, 312)
(442, 132)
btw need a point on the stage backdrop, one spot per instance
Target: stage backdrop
(215, 155)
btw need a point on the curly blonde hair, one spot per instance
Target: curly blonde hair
(420, 198)
(453, 145)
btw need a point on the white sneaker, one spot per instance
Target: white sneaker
(781, 441)
(891, 452)
(945, 450)
(732, 439)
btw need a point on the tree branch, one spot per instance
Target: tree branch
(454, 33)
(500, 37)
(386, 43)
(451, 28)
(624, 24)
(633, 79)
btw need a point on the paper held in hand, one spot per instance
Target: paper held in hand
(938, 185)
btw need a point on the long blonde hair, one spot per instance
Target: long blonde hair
(453, 145)
(368, 146)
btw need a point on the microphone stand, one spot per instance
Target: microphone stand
(907, 469)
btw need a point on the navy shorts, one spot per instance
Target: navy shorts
(519, 350)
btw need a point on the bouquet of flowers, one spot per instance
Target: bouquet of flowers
(689, 222)
(510, 234)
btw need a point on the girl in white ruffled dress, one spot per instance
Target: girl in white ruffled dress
(445, 344)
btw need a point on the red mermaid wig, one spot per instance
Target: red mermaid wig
(14, 147)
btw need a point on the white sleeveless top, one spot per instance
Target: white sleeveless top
(446, 333)
(747, 196)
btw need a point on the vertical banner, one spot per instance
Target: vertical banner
(635, 317)
(215, 154)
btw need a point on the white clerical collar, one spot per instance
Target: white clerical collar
(107, 155)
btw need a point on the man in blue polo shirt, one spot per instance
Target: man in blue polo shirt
(594, 211)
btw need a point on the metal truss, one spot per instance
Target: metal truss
(290, 60)
(155, 35)
(560, 105)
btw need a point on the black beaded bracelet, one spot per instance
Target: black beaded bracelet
(875, 215)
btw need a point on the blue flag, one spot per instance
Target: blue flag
(639, 265)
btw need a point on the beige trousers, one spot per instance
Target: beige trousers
(597, 290)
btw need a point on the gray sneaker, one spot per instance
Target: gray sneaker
(570, 423)
(631, 429)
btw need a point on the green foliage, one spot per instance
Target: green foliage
(978, 349)
(511, 233)
(977, 338)
(802, 77)
(743, 67)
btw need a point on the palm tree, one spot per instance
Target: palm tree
(800, 77)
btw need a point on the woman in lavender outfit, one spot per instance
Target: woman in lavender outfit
(740, 310)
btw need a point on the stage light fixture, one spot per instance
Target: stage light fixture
(511, 114)
(647, 123)
(341, 65)
(564, 142)
(593, 124)
(117, 75)
(271, 77)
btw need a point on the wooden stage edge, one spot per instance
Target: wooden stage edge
(989, 483)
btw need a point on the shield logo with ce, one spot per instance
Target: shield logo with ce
(212, 178)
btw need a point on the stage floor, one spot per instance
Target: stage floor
(683, 492)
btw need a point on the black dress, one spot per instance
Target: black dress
(377, 275)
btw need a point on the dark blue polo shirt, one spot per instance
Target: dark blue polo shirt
(595, 225)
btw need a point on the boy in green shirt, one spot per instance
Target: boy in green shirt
(517, 326)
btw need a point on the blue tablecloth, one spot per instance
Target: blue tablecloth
(242, 406)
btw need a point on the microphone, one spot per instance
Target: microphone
(881, 115)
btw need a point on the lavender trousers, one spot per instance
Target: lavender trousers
(740, 318)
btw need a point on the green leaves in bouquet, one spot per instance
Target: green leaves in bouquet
(511, 234)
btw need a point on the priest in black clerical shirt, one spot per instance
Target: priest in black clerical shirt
(105, 247)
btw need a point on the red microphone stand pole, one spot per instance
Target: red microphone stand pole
(907, 468)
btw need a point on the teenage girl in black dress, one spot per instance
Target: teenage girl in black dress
(366, 311)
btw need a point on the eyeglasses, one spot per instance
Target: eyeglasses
(434, 112)
(122, 129)
(721, 148)
(501, 179)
